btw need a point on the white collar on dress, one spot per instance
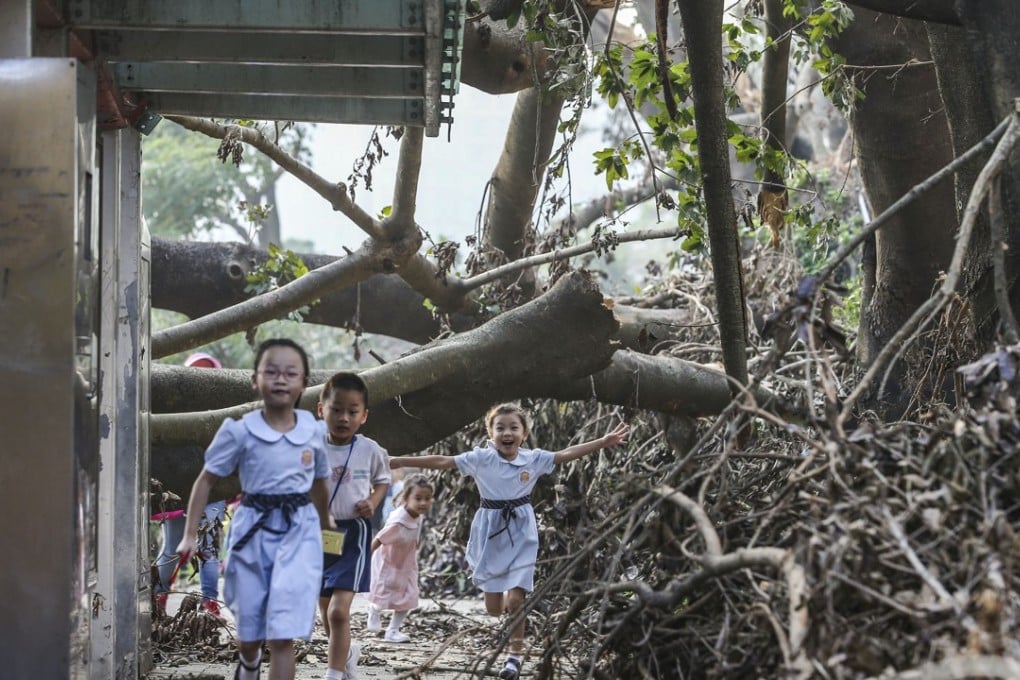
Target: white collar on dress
(518, 461)
(304, 428)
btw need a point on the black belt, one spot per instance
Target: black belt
(507, 513)
(266, 503)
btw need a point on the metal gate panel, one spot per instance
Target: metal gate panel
(258, 79)
(330, 16)
(184, 57)
(267, 48)
(312, 109)
(48, 479)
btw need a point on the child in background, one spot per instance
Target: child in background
(172, 530)
(275, 539)
(395, 559)
(360, 477)
(503, 546)
(382, 513)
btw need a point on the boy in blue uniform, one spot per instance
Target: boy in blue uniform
(360, 475)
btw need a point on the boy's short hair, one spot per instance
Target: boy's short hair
(344, 380)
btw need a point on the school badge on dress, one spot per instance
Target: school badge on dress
(525, 476)
(306, 458)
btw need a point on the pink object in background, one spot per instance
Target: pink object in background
(203, 360)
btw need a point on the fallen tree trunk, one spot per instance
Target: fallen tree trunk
(431, 392)
(197, 279)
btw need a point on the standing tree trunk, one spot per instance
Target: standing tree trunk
(702, 21)
(901, 138)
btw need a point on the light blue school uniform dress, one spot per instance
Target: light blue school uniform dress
(274, 565)
(503, 546)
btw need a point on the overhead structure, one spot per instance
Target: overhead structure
(388, 62)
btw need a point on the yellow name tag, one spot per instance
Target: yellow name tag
(333, 541)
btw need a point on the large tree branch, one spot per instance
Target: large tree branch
(498, 60)
(335, 193)
(399, 225)
(517, 178)
(937, 11)
(367, 260)
(200, 279)
(431, 393)
(659, 382)
(197, 279)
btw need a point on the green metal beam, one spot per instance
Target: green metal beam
(324, 16)
(311, 109)
(308, 81)
(277, 48)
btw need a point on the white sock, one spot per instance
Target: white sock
(246, 674)
(397, 621)
(374, 622)
(332, 674)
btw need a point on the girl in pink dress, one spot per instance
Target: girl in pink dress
(395, 559)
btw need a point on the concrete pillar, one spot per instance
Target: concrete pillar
(122, 617)
(48, 366)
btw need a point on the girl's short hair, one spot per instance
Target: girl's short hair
(283, 342)
(508, 409)
(415, 482)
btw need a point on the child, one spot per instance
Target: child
(360, 477)
(172, 530)
(395, 559)
(275, 537)
(503, 546)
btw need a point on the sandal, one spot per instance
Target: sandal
(511, 669)
(257, 667)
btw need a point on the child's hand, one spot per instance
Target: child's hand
(187, 547)
(618, 435)
(364, 508)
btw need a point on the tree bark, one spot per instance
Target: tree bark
(979, 82)
(432, 392)
(198, 279)
(702, 21)
(901, 138)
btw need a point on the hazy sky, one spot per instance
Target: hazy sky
(453, 174)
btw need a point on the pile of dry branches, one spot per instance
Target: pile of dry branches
(769, 548)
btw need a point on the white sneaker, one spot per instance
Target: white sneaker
(395, 636)
(352, 662)
(374, 624)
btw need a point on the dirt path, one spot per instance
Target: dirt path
(449, 639)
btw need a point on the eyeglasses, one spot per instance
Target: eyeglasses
(273, 373)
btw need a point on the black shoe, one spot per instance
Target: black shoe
(257, 667)
(511, 669)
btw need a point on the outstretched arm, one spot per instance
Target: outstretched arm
(617, 435)
(430, 462)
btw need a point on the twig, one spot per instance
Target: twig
(960, 668)
(562, 254)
